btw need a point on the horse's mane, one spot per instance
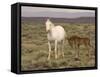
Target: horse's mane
(51, 24)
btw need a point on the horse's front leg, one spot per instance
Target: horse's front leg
(49, 50)
(56, 49)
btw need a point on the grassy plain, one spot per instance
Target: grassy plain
(35, 48)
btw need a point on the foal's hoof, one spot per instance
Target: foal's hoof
(87, 55)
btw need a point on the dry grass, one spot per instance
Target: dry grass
(35, 48)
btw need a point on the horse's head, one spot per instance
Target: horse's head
(49, 25)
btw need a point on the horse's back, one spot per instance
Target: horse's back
(58, 33)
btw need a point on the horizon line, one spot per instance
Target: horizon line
(60, 17)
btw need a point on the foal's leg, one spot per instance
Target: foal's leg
(49, 50)
(56, 49)
(88, 50)
(77, 50)
(78, 53)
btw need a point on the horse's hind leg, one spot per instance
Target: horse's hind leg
(62, 50)
(56, 49)
(49, 50)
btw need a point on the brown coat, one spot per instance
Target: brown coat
(76, 41)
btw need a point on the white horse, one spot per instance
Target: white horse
(56, 34)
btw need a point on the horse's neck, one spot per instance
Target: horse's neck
(52, 25)
(50, 31)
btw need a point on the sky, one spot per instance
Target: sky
(27, 11)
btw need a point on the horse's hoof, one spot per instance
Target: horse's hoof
(63, 56)
(77, 59)
(87, 55)
(56, 57)
(48, 58)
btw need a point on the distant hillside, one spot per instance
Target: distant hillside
(60, 20)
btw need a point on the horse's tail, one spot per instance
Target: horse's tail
(67, 39)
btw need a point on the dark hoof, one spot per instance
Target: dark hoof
(77, 59)
(87, 54)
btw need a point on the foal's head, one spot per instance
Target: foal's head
(49, 25)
